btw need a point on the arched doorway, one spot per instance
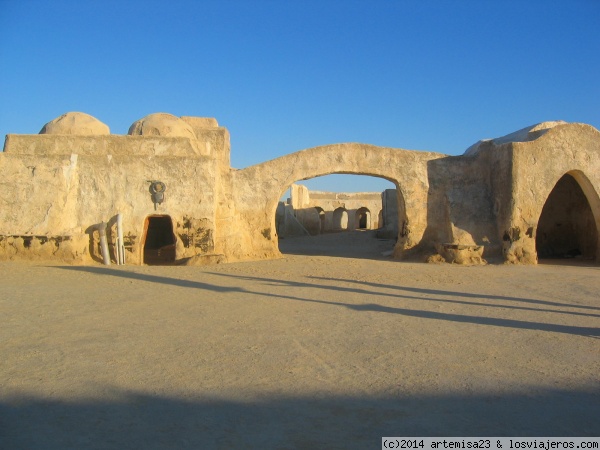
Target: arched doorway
(363, 219)
(567, 228)
(159, 241)
(340, 219)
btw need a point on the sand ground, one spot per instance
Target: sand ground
(305, 352)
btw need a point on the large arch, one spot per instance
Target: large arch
(569, 221)
(257, 189)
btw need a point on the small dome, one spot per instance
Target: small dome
(75, 123)
(161, 124)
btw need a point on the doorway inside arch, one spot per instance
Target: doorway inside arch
(159, 241)
(567, 229)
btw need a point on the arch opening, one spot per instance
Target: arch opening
(159, 241)
(316, 217)
(567, 227)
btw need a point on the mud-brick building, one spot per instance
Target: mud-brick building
(59, 186)
(533, 193)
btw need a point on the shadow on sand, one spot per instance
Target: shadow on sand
(141, 421)
(369, 293)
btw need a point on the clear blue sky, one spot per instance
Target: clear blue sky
(285, 75)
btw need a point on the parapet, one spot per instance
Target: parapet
(158, 134)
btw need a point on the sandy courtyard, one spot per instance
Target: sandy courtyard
(305, 352)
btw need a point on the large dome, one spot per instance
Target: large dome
(161, 124)
(75, 123)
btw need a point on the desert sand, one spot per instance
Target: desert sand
(311, 351)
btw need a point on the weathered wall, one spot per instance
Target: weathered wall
(390, 213)
(287, 224)
(466, 197)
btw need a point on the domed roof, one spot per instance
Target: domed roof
(161, 124)
(75, 123)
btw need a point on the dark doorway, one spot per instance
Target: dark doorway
(566, 228)
(362, 218)
(159, 244)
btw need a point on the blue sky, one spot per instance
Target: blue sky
(287, 75)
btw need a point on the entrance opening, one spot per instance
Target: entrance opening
(566, 228)
(159, 243)
(363, 219)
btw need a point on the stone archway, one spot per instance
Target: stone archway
(256, 191)
(363, 219)
(567, 227)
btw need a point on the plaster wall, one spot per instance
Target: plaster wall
(388, 226)
(466, 197)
